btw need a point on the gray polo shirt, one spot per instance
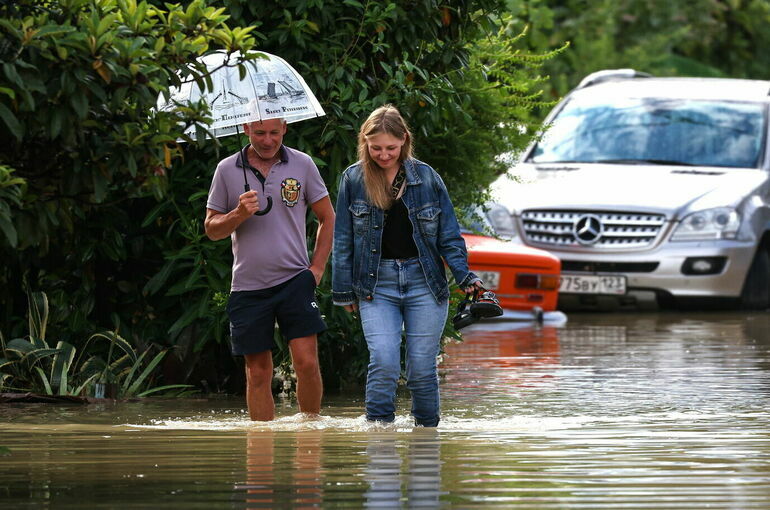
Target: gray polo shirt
(269, 249)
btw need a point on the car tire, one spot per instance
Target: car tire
(756, 289)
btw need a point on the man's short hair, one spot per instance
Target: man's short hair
(255, 121)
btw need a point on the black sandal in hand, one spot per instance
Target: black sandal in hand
(486, 305)
(482, 306)
(463, 317)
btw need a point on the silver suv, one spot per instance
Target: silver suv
(650, 191)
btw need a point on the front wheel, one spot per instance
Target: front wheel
(756, 289)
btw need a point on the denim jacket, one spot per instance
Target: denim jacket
(358, 235)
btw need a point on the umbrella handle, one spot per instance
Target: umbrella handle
(264, 211)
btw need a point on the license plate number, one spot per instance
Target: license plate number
(592, 284)
(491, 279)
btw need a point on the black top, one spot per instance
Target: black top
(397, 240)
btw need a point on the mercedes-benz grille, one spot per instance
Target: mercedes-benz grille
(595, 229)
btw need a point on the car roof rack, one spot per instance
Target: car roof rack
(611, 74)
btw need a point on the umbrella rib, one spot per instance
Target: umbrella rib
(254, 87)
(302, 83)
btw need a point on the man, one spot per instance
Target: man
(272, 276)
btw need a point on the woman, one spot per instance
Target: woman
(394, 229)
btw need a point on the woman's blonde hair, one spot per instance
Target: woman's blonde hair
(385, 119)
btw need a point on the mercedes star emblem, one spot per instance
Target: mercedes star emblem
(587, 229)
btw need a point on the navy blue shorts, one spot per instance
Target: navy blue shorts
(253, 314)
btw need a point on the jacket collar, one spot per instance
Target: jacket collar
(412, 177)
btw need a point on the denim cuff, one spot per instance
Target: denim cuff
(469, 280)
(343, 298)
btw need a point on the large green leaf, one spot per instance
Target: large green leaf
(4, 378)
(160, 278)
(127, 382)
(11, 122)
(117, 341)
(6, 225)
(20, 345)
(38, 317)
(62, 361)
(165, 388)
(44, 380)
(32, 357)
(134, 388)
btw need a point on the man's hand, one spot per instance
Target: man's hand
(248, 203)
(317, 274)
(351, 308)
(219, 225)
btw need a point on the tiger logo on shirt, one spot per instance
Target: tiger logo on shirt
(290, 191)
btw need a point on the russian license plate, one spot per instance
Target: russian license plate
(491, 279)
(592, 284)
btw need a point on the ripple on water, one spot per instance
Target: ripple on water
(687, 422)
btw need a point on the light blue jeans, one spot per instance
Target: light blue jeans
(402, 302)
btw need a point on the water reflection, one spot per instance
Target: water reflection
(393, 467)
(505, 345)
(502, 363)
(607, 411)
(302, 482)
(259, 468)
(383, 472)
(308, 475)
(418, 485)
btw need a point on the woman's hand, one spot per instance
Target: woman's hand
(478, 285)
(351, 308)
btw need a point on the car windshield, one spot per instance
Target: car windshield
(658, 131)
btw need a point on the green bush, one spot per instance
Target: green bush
(664, 37)
(30, 364)
(102, 208)
(86, 157)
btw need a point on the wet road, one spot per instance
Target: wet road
(606, 411)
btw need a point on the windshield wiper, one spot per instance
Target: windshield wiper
(560, 162)
(644, 161)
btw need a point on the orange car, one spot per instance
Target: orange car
(523, 278)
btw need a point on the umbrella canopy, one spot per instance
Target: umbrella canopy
(270, 89)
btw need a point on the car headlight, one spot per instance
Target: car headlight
(718, 223)
(501, 220)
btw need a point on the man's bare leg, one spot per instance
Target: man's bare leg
(304, 357)
(259, 378)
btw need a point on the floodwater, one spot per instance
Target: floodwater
(607, 411)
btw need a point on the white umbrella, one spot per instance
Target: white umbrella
(270, 89)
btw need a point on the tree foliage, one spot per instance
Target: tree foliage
(100, 205)
(83, 143)
(664, 37)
